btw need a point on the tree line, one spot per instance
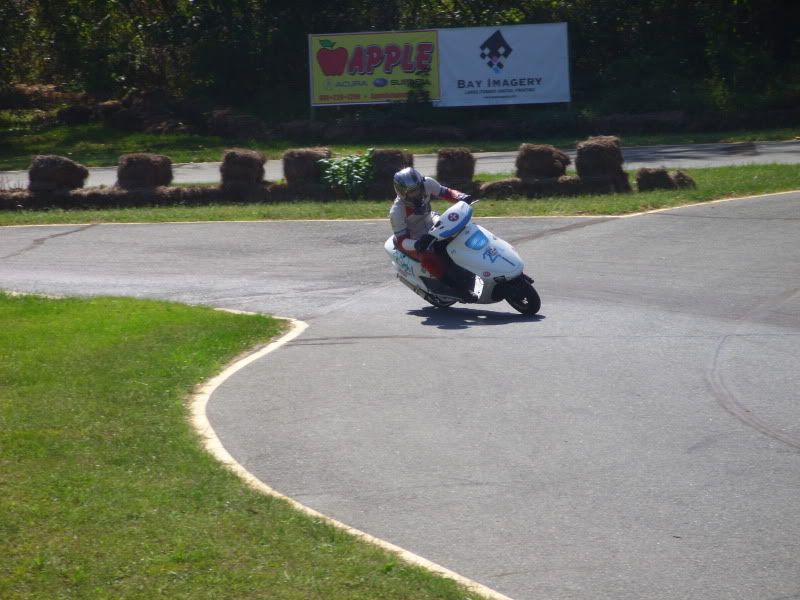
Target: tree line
(624, 56)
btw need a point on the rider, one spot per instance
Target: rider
(411, 219)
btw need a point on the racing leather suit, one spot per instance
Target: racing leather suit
(409, 223)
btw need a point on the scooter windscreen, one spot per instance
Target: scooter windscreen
(452, 221)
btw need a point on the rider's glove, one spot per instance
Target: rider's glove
(467, 198)
(422, 243)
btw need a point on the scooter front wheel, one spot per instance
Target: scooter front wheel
(524, 298)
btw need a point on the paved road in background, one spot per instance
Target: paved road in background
(679, 156)
(639, 440)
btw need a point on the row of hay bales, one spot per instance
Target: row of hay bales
(145, 178)
(542, 171)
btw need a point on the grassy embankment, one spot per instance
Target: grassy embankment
(105, 490)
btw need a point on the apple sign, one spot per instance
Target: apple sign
(332, 61)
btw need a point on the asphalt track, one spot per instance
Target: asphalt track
(641, 439)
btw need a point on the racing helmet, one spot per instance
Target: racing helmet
(410, 186)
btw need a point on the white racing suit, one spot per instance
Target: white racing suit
(411, 222)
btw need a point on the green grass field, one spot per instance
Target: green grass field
(105, 490)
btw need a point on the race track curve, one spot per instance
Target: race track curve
(640, 439)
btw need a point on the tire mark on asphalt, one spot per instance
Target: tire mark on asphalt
(38, 242)
(564, 229)
(724, 218)
(727, 399)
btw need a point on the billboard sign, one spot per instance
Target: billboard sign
(516, 64)
(372, 68)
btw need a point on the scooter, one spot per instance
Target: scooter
(479, 258)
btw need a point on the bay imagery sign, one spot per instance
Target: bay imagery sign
(372, 68)
(516, 64)
(470, 66)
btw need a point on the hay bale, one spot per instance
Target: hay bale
(539, 188)
(242, 166)
(537, 161)
(504, 188)
(143, 170)
(243, 176)
(616, 184)
(97, 198)
(569, 185)
(301, 165)
(682, 180)
(14, 199)
(246, 193)
(455, 167)
(50, 173)
(278, 192)
(310, 191)
(388, 161)
(287, 192)
(654, 179)
(385, 163)
(599, 156)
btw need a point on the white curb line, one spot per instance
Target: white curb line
(199, 402)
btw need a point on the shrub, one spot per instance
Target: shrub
(350, 174)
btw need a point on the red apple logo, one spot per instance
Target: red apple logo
(332, 61)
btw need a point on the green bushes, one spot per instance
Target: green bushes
(350, 174)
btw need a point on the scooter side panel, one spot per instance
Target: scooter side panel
(480, 251)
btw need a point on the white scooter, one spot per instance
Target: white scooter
(491, 264)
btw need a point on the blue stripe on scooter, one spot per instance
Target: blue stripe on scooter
(459, 227)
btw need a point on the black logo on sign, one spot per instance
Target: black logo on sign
(495, 50)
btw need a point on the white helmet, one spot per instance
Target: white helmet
(410, 186)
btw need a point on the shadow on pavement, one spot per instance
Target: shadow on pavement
(464, 318)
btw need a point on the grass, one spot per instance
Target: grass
(105, 491)
(93, 145)
(712, 184)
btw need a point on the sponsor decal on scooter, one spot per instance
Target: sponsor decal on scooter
(492, 255)
(404, 262)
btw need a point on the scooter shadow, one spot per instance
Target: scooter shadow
(464, 318)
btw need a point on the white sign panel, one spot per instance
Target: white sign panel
(517, 64)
